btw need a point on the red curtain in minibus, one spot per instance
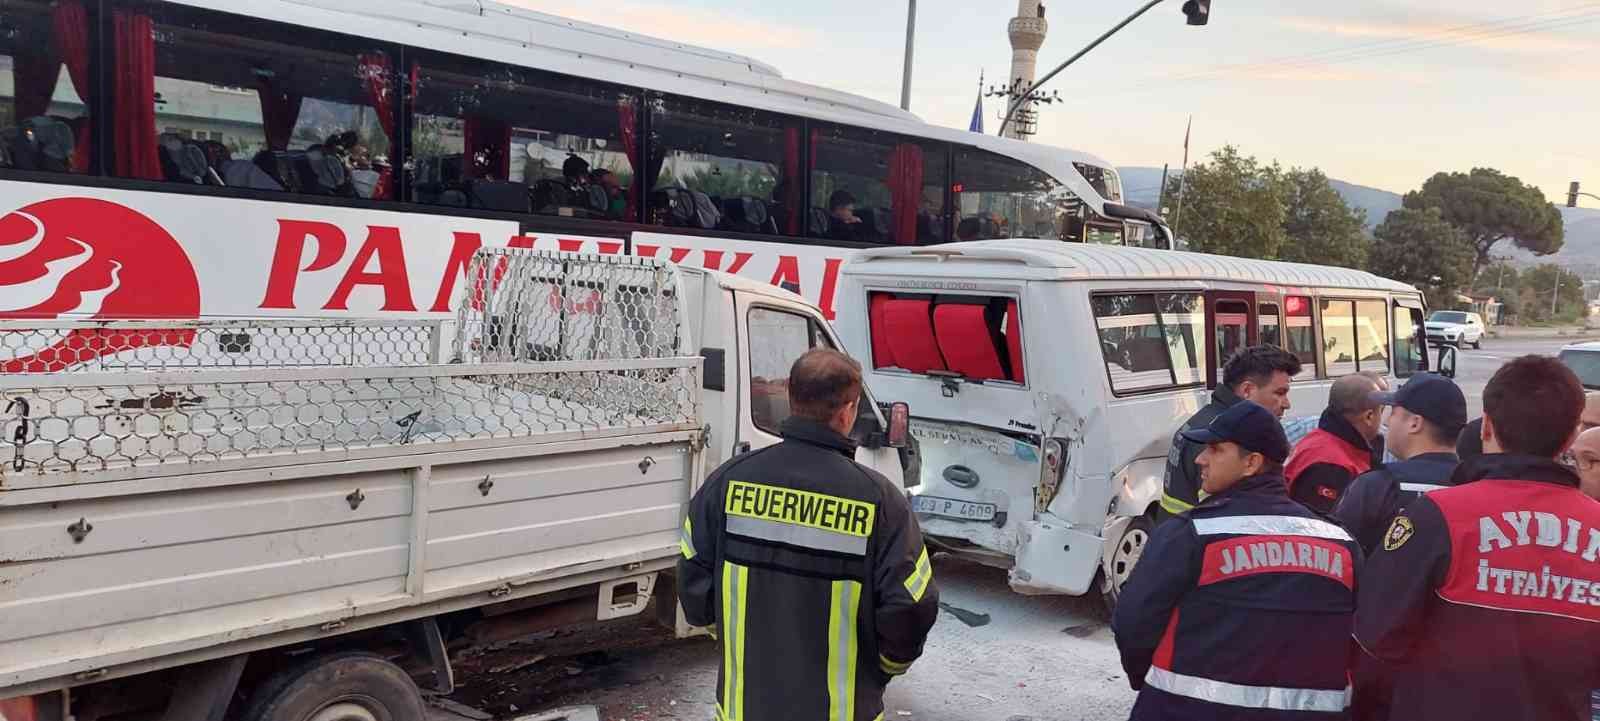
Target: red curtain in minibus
(135, 130)
(379, 81)
(905, 191)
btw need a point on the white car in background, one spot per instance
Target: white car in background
(1584, 360)
(1456, 327)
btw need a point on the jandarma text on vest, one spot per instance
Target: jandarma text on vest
(786, 505)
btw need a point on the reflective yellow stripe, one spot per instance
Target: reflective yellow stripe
(846, 600)
(1174, 506)
(921, 576)
(891, 667)
(735, 586)
(686, 539)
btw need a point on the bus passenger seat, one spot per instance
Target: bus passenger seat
(882, 353)
(910, 333)
(964, 338)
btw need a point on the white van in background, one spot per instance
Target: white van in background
(1047, 379)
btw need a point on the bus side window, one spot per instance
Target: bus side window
(44, 124)
(997, 197)
(723, 167)
(501, 137)
(241, 102)
(874, 187)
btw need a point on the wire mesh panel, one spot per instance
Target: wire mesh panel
(92, 346)
(529, 305)
(548, 344)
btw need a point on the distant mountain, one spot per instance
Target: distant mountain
(1580, 253)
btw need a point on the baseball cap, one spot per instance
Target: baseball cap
(1433, 397)
(1248, 424)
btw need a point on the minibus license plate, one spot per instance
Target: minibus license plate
(950, 508)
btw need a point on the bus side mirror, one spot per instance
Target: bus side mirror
(1447, 361)
(899, 424)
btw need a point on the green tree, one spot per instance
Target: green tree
(1503, 281)
(1419, 247)
(1489, 207)
(1319, 226)
(1232, 205)
(1538, 285)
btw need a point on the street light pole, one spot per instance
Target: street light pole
(905, 75)
(1555, 295)
(1113, 31)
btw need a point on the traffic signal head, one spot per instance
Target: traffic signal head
(1198, 11)
(1572, 195)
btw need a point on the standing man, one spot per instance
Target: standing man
(1241, 608)
(811, 566)
(1259, 373)
(1329, 458)
(1425, 418)
(1484, 592)
(1586, 454)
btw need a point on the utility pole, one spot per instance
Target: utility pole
(1161, 200)
(1555, 295)
(905, 75)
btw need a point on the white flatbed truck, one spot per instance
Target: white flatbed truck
(281, 520)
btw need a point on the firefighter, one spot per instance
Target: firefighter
(810, 566)
(1258, 373)
(1487, 594)
(1241, 608)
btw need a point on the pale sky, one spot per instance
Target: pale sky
(1378, 92)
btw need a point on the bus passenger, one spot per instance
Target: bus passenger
(842, 221)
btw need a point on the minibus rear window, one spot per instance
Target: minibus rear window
(976, 337)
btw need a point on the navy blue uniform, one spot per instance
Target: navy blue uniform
(1375, 497)
(1241, 609)
(1180, 486)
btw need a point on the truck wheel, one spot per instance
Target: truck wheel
(1124, 557)
(350, 686)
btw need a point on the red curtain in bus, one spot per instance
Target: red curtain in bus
(628, 129)
(279, 111)
(376, 75)
(488, 148)
(135, 130)
(905, 191)
(72, 42)
(34, 69)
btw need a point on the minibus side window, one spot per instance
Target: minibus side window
(1372, 335)
(1151, 341)
(1300, 336)
(1339, 337)
(1233, 330)
(1271, 325)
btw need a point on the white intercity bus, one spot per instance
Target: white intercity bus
(1046, 380)
(233, 158)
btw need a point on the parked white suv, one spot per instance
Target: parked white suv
(1455, 327)
(1584, 360)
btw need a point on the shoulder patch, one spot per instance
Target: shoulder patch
(1399, 532)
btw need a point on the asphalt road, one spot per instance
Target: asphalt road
(993, 655)
(1474, 368)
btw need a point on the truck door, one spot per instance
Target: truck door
(772, 337)
(1231, 323)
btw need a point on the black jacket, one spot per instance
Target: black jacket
(1374, 497)
(1241, 609)
(1180, 487)
(813, 569)
(1488, 594)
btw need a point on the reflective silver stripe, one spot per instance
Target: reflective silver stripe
(796, 535)
(1421, 487)
(1233, 694)
(842, 650)
(1280, 525)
